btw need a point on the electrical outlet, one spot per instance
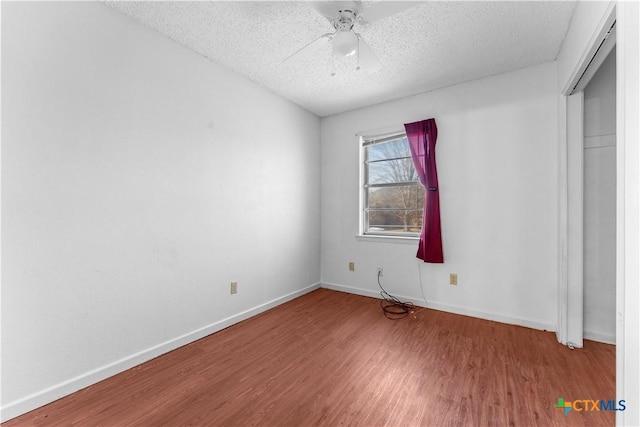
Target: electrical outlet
(352, 266)
(380, 272)
(234, 287)
(453, 279)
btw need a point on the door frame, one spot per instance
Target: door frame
(570, 184)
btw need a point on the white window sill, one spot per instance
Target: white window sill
(387, 239)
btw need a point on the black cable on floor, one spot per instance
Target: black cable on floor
(392, 307)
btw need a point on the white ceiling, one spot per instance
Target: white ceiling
(424, 47)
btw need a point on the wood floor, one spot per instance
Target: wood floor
(330, 358)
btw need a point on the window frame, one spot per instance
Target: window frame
(364, 232)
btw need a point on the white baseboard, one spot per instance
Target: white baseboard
(596, 336)
(445, 307)
(352, 290)
(43, 397)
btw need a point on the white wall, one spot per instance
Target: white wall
(496, 155)
(138, 180)
(600, 204)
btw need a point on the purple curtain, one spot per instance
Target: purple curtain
(422, 141)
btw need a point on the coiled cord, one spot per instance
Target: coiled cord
(392, 307)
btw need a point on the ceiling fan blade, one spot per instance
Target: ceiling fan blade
(329, 9)
(367, 60)
(375, 11)
(311, 46)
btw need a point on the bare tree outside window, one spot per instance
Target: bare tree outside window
(392, 194)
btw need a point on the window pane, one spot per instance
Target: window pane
(396, 221)
(389, 150)
(388, 171)
(402, 197)
(393, 198)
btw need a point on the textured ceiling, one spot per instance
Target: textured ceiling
(426, 46)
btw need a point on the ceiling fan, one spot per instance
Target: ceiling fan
(344, 16)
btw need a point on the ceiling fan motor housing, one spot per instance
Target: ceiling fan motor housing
(345, 21)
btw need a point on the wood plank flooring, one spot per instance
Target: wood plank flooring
(330, 358)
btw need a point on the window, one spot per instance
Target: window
(392, 197)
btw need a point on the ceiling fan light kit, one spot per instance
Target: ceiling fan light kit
(344, 43)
